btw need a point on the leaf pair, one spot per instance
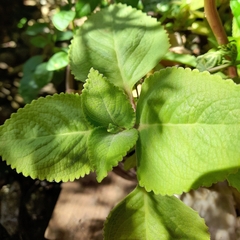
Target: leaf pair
(109, 110)
(65, 136)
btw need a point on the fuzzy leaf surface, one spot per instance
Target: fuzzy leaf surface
(189, 130)
(47, 139)
(104, 103)
(107, 149)
(122, 43)
(143, 215)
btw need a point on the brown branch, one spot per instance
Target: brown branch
(218, 30)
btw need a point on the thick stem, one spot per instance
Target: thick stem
(218, 30)
(215, 21)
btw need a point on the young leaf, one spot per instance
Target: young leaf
(104, 103)
(123, 43)
(57, 61)
(143, 215)
(188, 130)
(62, 19)
(47, 139)
(107, 149)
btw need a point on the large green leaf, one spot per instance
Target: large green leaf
(48, 139)
(104, 103)
(142, 215)
(107, 149)
(189, 125)
(121, 42)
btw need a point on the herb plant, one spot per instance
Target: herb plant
(184, 126)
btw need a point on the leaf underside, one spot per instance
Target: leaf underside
(189, 130)
(122, 43)
(143, 215)
(47, 139)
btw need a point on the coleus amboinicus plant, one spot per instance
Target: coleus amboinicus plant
(184, 127)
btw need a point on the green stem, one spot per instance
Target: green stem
(215, 69)
(220, 67)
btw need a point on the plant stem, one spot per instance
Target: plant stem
(217, 68)
(69, 81)
(218, 30)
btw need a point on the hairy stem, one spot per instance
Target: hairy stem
(218, 30)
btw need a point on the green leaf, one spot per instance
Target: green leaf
(234, 180)
(47, 139)
(133, 3)
(143, 215)
(42, 76)
(181, 58)
(35, 76)
(107, 149)
(209, 60)
(188, 130)
(104, 103)
(64, 36)
(85, 7)
(28, 87)
(40, 41)
(62, 19)
(235, 7)
(31, 64)
(130, 162)
(122, 43)
(57, 61)
(37, 28)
